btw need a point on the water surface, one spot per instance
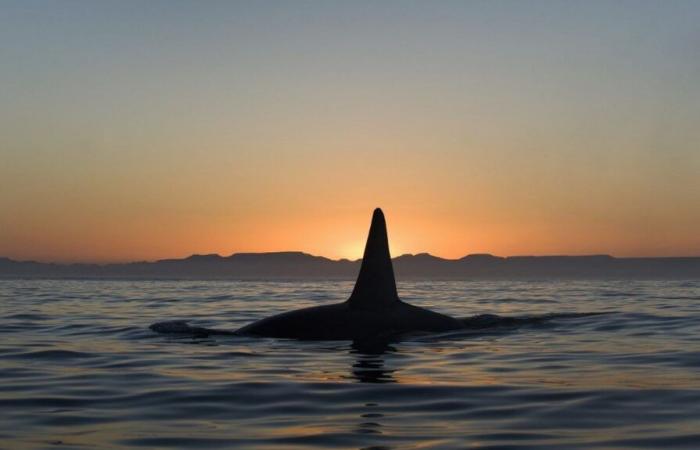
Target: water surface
(79, 368)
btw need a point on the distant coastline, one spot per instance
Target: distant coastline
(299, 265)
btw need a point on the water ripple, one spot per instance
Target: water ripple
(80, 368)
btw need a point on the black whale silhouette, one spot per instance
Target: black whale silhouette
(373, 313)
(374, 309)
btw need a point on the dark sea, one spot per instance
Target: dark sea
(80, 369)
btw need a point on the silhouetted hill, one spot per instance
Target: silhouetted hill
(297, 265)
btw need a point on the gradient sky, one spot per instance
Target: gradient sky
(145, 130)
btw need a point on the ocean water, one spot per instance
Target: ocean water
(79, 368)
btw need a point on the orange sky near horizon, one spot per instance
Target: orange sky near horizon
(171, 129)
(335, 232)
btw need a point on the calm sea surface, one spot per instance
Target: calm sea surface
(79, 368)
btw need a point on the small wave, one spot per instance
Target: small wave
(482, 321)
(526, 301)
(26, 316)
(182, 327)
(55, 355)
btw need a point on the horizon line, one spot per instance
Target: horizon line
(482, 254)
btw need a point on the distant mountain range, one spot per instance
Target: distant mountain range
(298, 265)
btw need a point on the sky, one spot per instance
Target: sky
(148, 130)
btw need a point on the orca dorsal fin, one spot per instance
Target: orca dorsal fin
(375, 286)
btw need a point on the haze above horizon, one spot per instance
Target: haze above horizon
(144, 131)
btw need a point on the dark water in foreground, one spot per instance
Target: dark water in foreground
(80, 369)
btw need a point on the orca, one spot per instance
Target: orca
(373, 315)
(373, 310)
